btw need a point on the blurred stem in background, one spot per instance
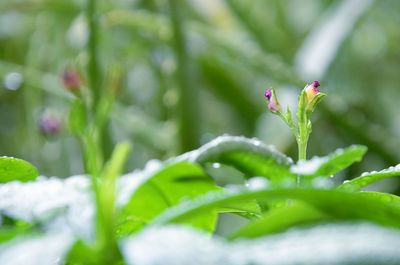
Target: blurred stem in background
(188, 105)
(103, 177)
(93, 70)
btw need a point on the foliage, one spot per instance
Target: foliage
(185, 73)
(179, 191)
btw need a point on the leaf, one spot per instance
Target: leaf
(81, 253)
(20, 228)
(341, 205)
(368, 178)
(331, 164)
(250, 156)
(169, 186)
(16, 169)
(226, 85)
(298, 214)
(280, 219)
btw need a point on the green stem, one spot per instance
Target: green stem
(93, 67)
(302, 146)
(103, 182)
(188, 96)
(302, 140)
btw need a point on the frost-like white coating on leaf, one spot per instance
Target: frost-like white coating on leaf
(329, 244)
(55, 201)
(308, 167)
(331, 164)
(227, 143)
(49, 249)
(256, 183)
(393, 169)
(368, 178)
(64, 202)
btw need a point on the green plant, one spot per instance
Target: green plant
(276, 194)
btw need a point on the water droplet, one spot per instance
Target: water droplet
(322, 183)
(256, 183)
(216, 165)
(13, 81)
(257, 143)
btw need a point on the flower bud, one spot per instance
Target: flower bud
(312, 90)
(312, 96)
(71, 80)
(49, 123)
(273, 103)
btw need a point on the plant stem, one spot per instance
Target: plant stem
(188, 96)
(93, 68)
(302, 140)
(103, 179)
(302, 146)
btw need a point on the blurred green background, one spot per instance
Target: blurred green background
(196, 69)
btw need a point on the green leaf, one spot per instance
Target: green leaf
(16, 169)
(342, 205)
(314, 102)
(19, 229)
(167, 187)
(280, 219)
(83, 254)
(301, 108)
(368, 178)
(331, 164)
(225, 84)
(250, 156)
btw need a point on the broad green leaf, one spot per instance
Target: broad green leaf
(384, 197)
(368, 178)
(16, 169)
(342, 205)
(250, 156)
(281, 219)
(170, 186)
(331, 164)
(299, 213)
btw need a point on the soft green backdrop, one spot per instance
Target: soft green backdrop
(179, 91)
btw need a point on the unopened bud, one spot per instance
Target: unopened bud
(312, 90)
(71, 80)
(49, 123)
(273, 103)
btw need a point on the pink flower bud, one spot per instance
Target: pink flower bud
(49, 123)
(71, 80)
(273, 104)
(312, 90)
